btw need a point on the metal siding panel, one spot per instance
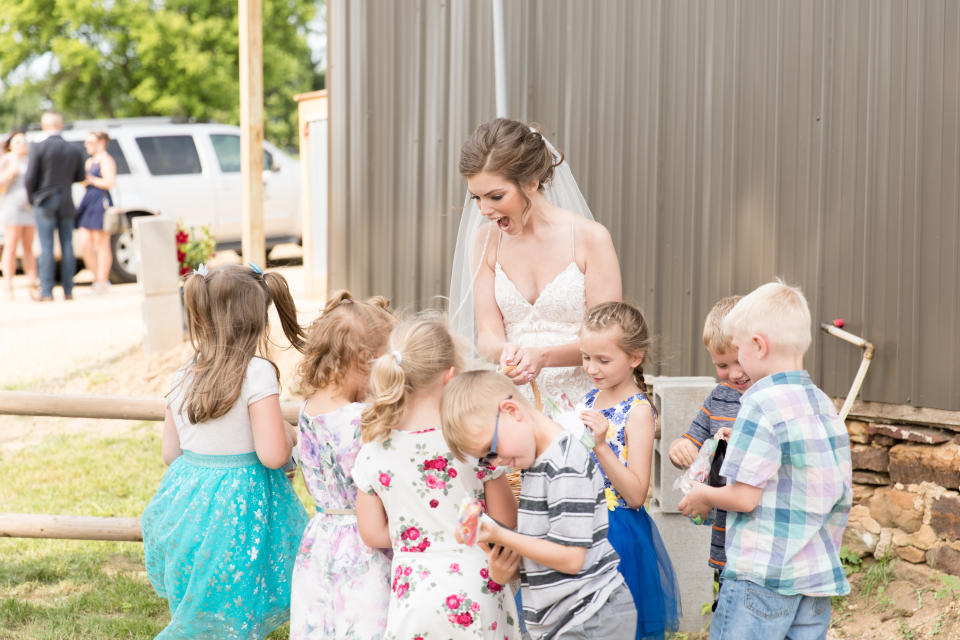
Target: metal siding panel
(937, 286)
(693, 130)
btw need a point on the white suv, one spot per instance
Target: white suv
(191, 172)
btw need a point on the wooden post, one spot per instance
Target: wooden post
(28, 525)
(314, 146)
(29, 403)
(253, 240)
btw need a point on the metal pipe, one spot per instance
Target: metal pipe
(868, 350)
(499, 59)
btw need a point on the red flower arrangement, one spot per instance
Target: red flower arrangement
(194, 247)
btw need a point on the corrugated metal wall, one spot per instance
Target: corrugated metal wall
(721, 143)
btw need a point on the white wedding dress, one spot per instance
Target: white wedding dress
(553, 318)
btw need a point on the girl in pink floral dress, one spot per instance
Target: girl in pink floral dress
(340, 587)
(411, 488)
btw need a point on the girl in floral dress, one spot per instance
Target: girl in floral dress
(334, 567)
(613, 342)
(411, 488)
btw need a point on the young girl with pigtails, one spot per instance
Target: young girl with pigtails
(341, 587)
(411, 488)
(614, 340)
(221, 533)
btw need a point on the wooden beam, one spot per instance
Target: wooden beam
(253, 240)
(27, 525)
(29, 403)
(884, 412)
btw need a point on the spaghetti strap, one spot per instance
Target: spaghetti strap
(573, 245)
(499, 240)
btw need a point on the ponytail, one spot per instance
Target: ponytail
(418, 352)
(388, 381)
(279, 293)
(196, 302)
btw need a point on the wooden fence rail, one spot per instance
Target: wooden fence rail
(31, 525)
(27, 403)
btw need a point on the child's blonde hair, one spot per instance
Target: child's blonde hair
(228, 325)
(714, 337)
(474, 394)
(775, 310)
(348, 333)
(634, 333)
(418, 351)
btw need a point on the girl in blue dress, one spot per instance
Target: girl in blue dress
(613, 341)
(221, 534)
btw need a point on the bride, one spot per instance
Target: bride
(530, 260)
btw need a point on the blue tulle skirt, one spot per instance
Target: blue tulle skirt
(220, 538)
(647, 570)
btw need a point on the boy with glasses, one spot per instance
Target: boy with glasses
(570, 584)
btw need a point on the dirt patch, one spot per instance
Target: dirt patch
(914, 605)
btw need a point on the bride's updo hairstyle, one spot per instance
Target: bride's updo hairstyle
(418, 351)
(511, 149)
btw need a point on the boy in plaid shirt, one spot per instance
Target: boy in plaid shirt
(789, 488)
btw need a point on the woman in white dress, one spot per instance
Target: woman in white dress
(530, 260)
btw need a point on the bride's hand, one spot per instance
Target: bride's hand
(532, 360)
(509, 357)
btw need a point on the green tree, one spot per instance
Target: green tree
(124, 58)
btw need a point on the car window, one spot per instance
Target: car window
(113, 148)
(170, 155)
(227, 148)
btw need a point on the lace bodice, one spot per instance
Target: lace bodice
(554, 318)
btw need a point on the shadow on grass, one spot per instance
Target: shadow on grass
(75, 589)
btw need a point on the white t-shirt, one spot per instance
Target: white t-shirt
(231, 433)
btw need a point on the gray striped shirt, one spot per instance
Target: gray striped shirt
(562, 501)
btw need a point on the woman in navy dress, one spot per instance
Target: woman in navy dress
(94, 243)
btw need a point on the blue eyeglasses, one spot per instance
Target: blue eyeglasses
(492, 453)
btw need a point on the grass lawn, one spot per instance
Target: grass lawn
(70, 589)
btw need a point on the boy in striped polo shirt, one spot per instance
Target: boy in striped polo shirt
(568, 571)
(718, 413)
(789, 488)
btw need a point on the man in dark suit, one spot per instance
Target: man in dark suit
(54, 165)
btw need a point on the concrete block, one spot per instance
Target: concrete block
(678, 399)
(158, 272)
(162, 322)
(689, 548)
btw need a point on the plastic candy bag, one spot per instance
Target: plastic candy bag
(699, 471)
(468, 522)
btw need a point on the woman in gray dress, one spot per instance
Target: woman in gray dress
(16, 214)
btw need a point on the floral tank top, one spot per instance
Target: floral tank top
(616, 437)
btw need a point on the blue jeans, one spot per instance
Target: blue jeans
(747, 611)
(49, 219)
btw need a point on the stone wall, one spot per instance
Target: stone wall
(906, 493)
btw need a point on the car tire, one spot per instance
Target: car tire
(125, 257)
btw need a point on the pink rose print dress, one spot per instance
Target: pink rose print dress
(341, 587)
(440, 588)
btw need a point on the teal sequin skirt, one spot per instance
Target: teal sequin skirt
(220, 538)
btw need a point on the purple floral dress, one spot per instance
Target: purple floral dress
(441, 589)
(341, 587)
